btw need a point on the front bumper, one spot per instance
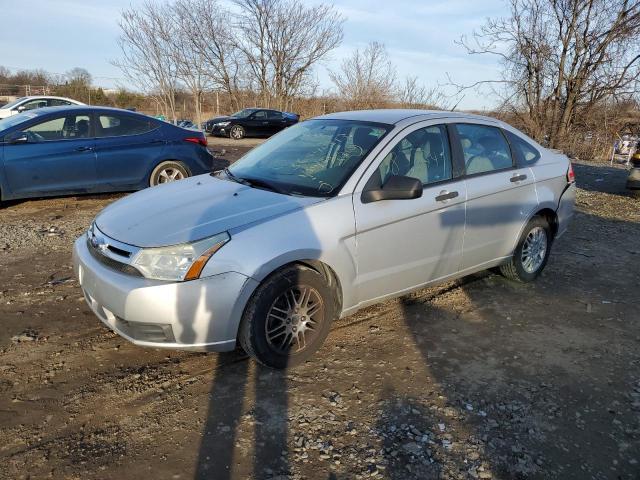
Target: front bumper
(565, 208)
(220, 131)
(201, 315)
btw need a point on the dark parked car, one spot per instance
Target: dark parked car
(81, 149)
(250, 122)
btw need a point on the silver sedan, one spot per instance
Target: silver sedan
(331, 215)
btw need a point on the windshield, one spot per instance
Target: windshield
(313, 158)
(243, 113)
(14, 120)
(14, 103)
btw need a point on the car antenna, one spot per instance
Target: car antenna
(458, 103)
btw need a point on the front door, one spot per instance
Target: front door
(257, 124)
(402, 244)
(58, 157)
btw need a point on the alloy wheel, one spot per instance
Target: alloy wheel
(170, 174)
(236, 133)
(292, 319)
(534, 250)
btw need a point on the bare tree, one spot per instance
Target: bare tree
(207, 30)
(281, 41)
(413, 94)
(147, 59)
(367, 78)
(562, 58)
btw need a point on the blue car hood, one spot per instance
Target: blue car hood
(190, 210)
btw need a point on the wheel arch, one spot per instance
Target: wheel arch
(544, 211)
(330, 275)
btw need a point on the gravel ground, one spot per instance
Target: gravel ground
(479, 378)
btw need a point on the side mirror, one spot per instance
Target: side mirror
(397, 187)
(20, 108)
(17, 137)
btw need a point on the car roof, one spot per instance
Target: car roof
(70, 108)
(35, 97)
(395, 116)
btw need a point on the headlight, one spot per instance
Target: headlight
(223, 124)
(178, 262)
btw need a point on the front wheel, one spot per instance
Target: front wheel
(531, 253)
(237, 132)
(288, 317)
(166, 172)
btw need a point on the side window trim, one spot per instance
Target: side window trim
(514, 164)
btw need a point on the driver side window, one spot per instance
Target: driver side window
(69, 127)
(423, 154)
(260, 115)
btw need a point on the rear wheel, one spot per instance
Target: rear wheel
(531, 253)
(169, 171)
(288, 317)
(237, 132)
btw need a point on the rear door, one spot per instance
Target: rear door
(276, 121)
(500, 195)
(127, 148)
(58, 157)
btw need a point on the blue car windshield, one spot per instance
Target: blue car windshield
(14, 120)
(313, 158)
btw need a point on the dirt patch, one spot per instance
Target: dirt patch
(480, 378)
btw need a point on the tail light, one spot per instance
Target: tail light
(199, 140)
(571, 177)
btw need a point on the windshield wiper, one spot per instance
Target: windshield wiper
(253, 182)
(258, 183)
(233, 177)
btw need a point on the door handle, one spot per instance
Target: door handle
(84, 149)
(265, 123)
(445, 195)
(518, 178)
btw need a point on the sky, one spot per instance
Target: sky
(420, 36)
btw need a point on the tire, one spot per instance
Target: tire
(168, 171)
(236, 132)
(271, 308)
(526, 268)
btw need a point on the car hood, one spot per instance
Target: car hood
(5, 112)
(190, 210)
(219, 119)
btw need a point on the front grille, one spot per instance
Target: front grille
(112, 264)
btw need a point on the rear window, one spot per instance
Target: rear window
(115, 125)
(526, 154)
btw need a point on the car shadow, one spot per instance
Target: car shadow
(510, 401)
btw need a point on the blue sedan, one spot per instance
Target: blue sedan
(81, 149)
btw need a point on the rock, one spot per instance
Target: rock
(25, 336)
(413, 448)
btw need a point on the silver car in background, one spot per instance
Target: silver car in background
(331, 215)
